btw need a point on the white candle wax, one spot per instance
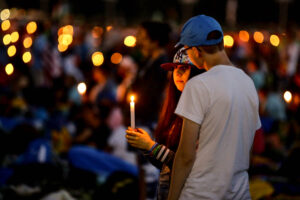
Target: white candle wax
(132, 117)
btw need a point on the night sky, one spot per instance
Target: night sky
(249, 11)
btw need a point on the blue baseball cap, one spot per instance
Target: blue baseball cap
(196, 30)
(180, 58)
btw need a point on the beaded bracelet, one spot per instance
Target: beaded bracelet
(152, 148)
(155, 150)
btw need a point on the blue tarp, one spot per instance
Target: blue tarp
(99, 162)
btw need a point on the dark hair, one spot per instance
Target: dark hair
(210, 49)
(168, 119)
(157, 31)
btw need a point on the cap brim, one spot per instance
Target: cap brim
(178, 45)
(171, 66)
(168, 66)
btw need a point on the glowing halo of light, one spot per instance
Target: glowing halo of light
(228, 41)
(130, 41)
(14, 36)
(27, 42)
(116, 58)
(258, 37)
(5, 25)
(26, 57)
(81, 88)
(11, 51)
(274, 40)
(97, 58)
(287, 96)
(244, 36)
(5, 14)
(31, 27)
(9, 69)
(6, 39)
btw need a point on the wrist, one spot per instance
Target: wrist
(152, 144)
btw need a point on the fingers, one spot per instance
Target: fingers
(142, 131)
(130, 137)
(133, 132)
(132, 129)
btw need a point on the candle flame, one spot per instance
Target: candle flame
(287, 96)
(132, 98)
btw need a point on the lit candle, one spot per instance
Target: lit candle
(132, 117)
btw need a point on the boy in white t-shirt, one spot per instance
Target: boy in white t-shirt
(220, 116)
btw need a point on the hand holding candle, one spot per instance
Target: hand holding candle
(132, 117)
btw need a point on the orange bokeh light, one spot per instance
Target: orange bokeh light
(97, 32)
(244, 36)
(27, 42)
(61, 47)
(5, 25)
(31, 27)
(116, 58)
(108, 28)
(258, 37)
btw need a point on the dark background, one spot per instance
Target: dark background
(248, 12)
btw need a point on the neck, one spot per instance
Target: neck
(219, 58)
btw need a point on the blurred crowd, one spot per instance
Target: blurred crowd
(64, 111)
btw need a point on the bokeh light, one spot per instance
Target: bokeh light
(6, 39)
(68, 29)
(11, 51)
(116, 58)
(258, 37)
(5, 25)
(9, 69)
(274, 40)
(27, 42)
(62, 47)
(287, 96)
(26, 57)
(130, 41)
(97, 32)
(97, 58)
(31, 27)
(108, 28)
(81, 88)
(65, 39)
(14, 36)
(228, 41)
(5, 13)
(244, 36)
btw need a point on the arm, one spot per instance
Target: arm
(157, 154)
(184, 157)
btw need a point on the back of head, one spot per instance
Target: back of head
(157, 31)
(203, 31)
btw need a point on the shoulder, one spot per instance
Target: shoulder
(196, 82)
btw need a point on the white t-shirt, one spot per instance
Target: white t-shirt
(224, 102)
